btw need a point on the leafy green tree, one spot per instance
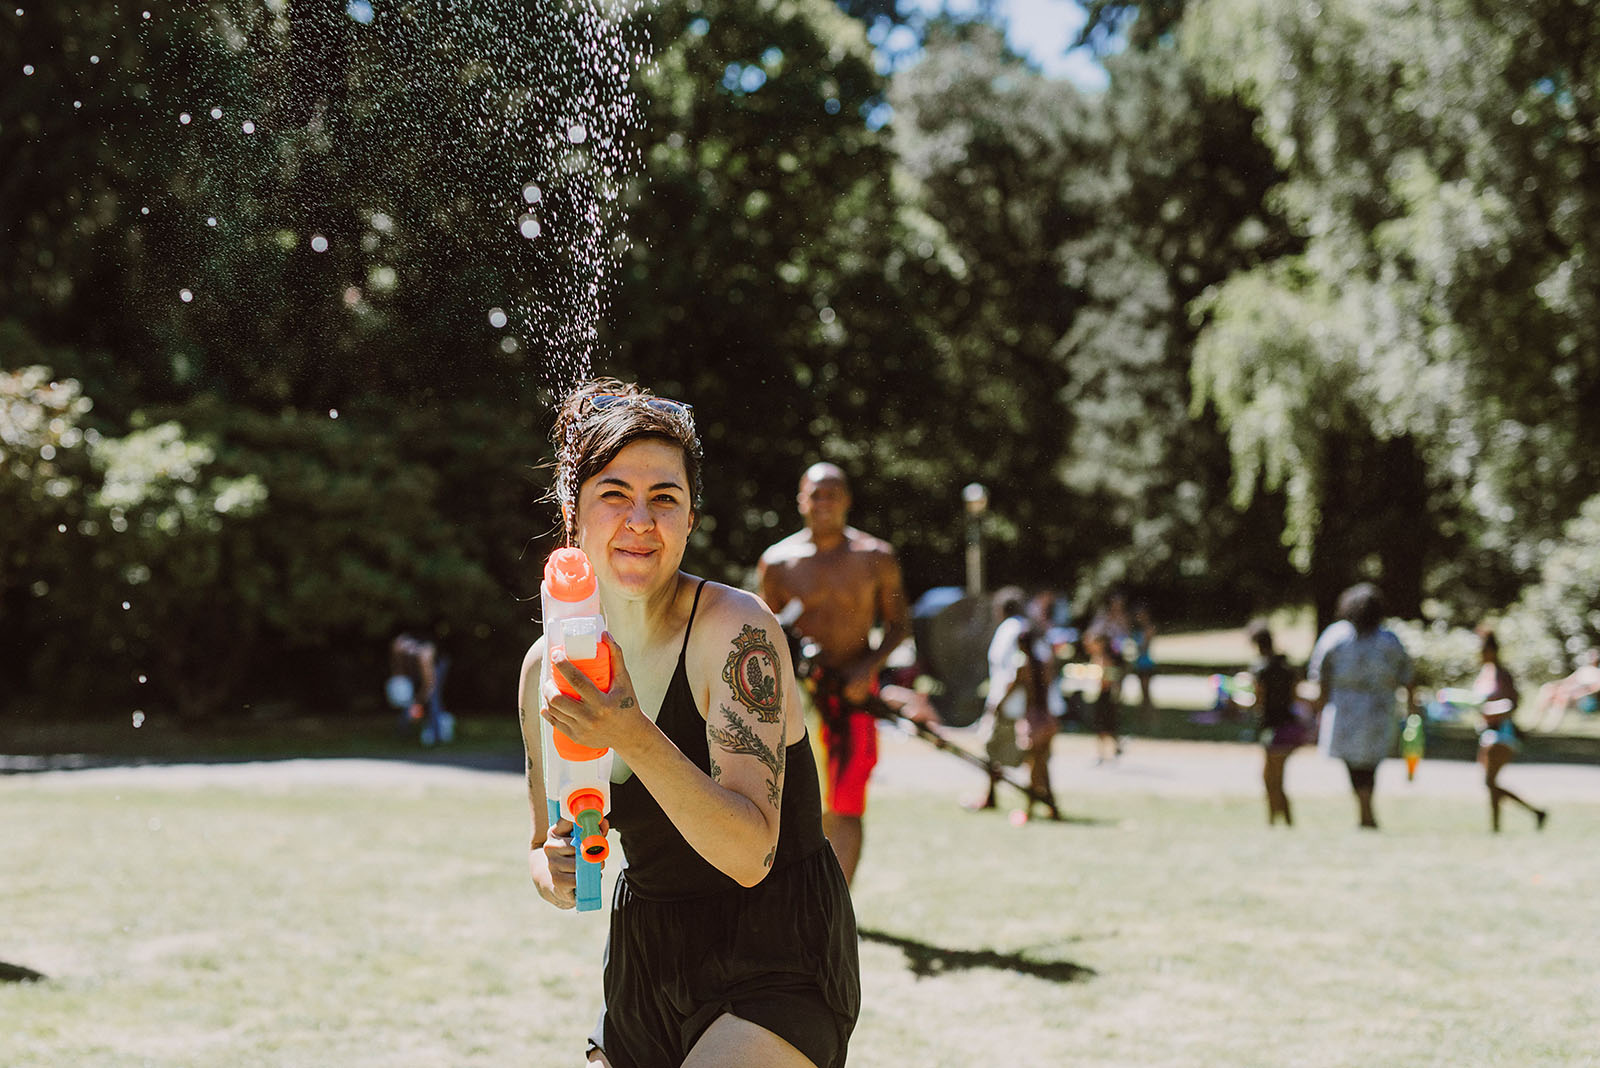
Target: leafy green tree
(1557, 617)
(997, 163)
(230, 556)
(1141, 24)
(1187, 181)
(285, 204)
(44, 467)
(1438, 163)
(755, 286)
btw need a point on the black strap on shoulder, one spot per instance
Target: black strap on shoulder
(690, 625)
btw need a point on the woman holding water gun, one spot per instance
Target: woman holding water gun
(732, 940)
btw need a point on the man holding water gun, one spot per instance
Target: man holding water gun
(847, 582)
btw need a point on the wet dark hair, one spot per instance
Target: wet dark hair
(1261, 635)
(587, 437)
(1362, 605)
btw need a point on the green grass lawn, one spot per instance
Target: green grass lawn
(279, 921)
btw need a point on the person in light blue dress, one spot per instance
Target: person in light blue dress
(1358, 665)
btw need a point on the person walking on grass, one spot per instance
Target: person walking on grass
(1499, 742)
(1279, 730)
(1037, 728)
(1106, 707)
(1358, 664)
(1144, 663)
(732, 939)
(1003, 704)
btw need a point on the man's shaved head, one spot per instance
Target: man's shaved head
(823, 472)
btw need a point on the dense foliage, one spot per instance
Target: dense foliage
(1304, 296)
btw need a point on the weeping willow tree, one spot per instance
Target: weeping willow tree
(1436, 347)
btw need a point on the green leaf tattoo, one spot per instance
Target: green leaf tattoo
(751, 672)
(738, 738)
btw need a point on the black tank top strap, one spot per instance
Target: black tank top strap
(683, 653)
(661, 863)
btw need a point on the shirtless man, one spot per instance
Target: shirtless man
(847, 582)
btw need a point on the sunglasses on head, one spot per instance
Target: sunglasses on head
(600, 402)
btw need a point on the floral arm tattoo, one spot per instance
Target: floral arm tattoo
(738, 738)
(752, 675)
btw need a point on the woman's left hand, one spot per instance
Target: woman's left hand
(596, 718)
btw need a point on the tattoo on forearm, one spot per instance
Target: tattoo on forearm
(773, 852)
(738, 738)
(751, 672)
(716, 769)
(626, 702)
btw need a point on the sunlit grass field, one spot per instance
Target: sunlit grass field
(379, 914)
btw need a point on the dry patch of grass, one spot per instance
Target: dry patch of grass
(388, 921)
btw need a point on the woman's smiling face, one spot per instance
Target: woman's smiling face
(634, 517)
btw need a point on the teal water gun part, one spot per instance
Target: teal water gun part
(588, 824)
(588, 892)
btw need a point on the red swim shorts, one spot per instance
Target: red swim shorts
(851, 744)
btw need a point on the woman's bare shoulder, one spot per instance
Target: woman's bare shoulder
(725, 606)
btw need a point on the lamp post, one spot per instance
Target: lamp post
(977, 501)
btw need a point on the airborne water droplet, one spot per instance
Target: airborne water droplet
(184, 118)
(185, 296)
(319, 243)
(138, 720)
(497, 318)
(528, 227)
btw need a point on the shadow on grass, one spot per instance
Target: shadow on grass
(926, 960)
(1066, 820)
(16, 973)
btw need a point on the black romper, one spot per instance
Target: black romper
(687, 943)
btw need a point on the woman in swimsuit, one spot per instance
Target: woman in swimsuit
(1499, 741)
(732, 940)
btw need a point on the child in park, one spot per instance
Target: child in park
(1037, 727)
(1278, 728)
(1106, 706)
(1499, 741)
